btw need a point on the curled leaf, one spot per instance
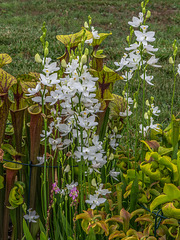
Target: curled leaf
(4, 59)
(6, 81)
(16, 195)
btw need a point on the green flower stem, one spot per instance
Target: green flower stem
(137, 123)
(58, 170)
(119, 196)
(172, 102)
(128, 138)
(143, 110)
(45, 151)
(66, 216)
(54, 217)
(45, 167)
(142, 152)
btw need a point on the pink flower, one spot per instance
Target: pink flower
(55, 188)
(74, 193)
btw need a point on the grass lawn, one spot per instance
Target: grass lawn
(21, 23)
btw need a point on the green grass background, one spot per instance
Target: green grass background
(21, 23)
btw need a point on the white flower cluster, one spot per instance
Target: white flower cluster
(49, 78)
(134, 60)
(78, 107)
(95, 200)
(92, 154)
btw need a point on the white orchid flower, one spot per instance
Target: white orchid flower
(136, 21)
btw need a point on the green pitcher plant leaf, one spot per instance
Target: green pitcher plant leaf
(106, 75)
(115, 218)
(175, 137)
(103, 226)
(171, 137)
(97, 61)
(14, 165)
(106, 78)
(171, 221)
(97, 42)
(146, 218)
(153, 174)
(132, 173)
(4, 111)
(164, 150)
(116, 106)
(6, 81)
(169, 210)
(4, 59)
(28, 81)
(117, 234)
(174, 232)
(74, 39)
(35, 76)
(159, 167)
(19, 105)
(171, 192)
(178, 165)
(153, 144)
(147, 145)
(9, 148)
(16, 195)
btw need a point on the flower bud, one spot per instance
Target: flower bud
(144, 10)
(63, 63)
(70, 59)
(174, 43)
(46, 51)
(175, 51)
(123, 93)
(111, 157)
(115, 129)
(67, 168)
(148, 14)
(41, 38)
(79, 46)
(127, 39)
(84, 59)
(135, 105)
(171, 60)
(47, 44)
(38, 58)
(142, 4)
(146, 116)
(86, 25)
(93, 182)
(86, 52)
(152, 99)
(89, 17)
(147, 103)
